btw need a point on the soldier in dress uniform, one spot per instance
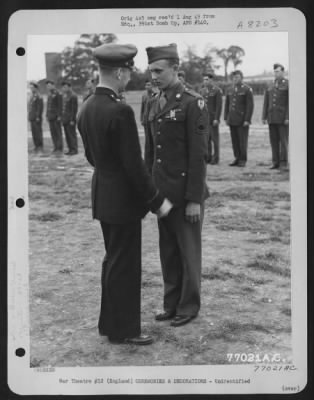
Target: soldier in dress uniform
(69, 111)
(178, 126)
(276, 113)
(35, 114)
(122, 193)
(213, 97)
(53, 114)
(90, 88)
(239, 107)
(143, 115)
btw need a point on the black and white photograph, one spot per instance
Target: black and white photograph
(163, 213)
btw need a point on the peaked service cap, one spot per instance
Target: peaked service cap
(115, 55)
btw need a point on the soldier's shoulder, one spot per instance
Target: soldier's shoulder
(190, 95)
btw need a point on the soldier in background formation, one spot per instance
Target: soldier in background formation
(181, 76)
(276, 113)
(54, 114)
(90, 88)
(239, 107)
(212, 95)
(69, 111)
(35, 113)
(144, 114)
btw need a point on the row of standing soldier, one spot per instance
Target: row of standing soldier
(239, 105)
(61, 111)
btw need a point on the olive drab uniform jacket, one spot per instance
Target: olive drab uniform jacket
(54, 105)
(122, 188)
(276, 102)
(239, 105)
(178, 146)
(35, 108)
(69, 108)
(213, 97)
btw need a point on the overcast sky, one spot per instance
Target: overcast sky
(262, 49)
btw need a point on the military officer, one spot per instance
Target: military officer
(53, 114)
(35, 113)
(239, 107)
(178, 126)
(90, 88)
(143, 115)
(122, 193)
(276, 113)
(213, 97)
(69, 111)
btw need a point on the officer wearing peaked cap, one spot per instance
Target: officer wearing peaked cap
(122, 193)
(276, 113)
(239, 107)
(178, 127)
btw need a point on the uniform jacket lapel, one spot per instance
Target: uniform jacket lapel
(174, 99)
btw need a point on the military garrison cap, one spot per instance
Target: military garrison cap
(115, 55)
(277, 65)
(162, 53)
(237, 72)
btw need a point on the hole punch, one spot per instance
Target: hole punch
(20, 352)
(20, 51)
(20, 203)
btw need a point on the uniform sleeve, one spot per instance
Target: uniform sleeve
(88, 154)
(74, 107)
(149, 143)
(226, 107)
(59, 105)
(249, 105)
(142, 109)
(197, 134)
(41, 108)
(265, 106)
(287, 108)
(218, 104)
(125, 128)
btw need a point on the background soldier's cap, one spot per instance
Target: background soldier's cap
(35, 84)
(162, 53)
(66, 83)
(209, 74)
(237, 72)
(115, 55)
(277, 65)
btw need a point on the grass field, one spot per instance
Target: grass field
(245, 279)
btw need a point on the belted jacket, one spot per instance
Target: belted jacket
(213, 97)
(69, 108)
(54, 105)
(276, 102)
(178, 145)
(239, 105)
(35, 108)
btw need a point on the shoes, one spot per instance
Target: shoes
(140, 340)
(274, 166)
(214, 162)
(164, 316)
(234, 163)
(180, 320)
(70, 153)
(241, 164)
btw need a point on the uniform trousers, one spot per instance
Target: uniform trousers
(239, 138)
(120, 312)
(70, 136)
(279, 140)
(181, 262)
(56, 134)
(213, 144)
(37, 133)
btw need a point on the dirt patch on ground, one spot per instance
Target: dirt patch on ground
(245, 279)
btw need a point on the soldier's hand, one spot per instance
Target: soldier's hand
(215, 122)
(193, 212)
(286, 122)
(246, 123)
(165, 209)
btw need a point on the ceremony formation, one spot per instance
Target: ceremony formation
(188, 182)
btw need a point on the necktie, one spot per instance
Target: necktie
(162, 100)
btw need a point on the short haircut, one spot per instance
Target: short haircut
(66, 83)
(277, 65)
(148, 81)
(208, 75)
(181, 73)
(34, 84)
(237, 72)
(49, 81)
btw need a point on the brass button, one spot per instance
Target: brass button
(183, 174)
(158, 133)
(159, 160)
(158, 146)
(159, 120)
